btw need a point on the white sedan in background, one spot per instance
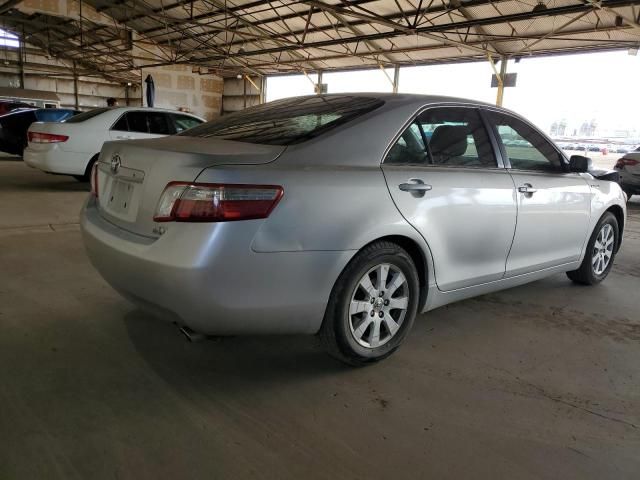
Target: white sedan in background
(72, 147)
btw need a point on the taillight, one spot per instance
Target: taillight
(94, 179)
(39, 137)
(206, 202)
(620, 164)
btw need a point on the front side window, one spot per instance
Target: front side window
(526, 148)
(288, 121)
(445, 136)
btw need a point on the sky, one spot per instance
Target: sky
(8, 39)
(603, 86)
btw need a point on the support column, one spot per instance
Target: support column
(501, 78)
(75, 87)
(21, 63)
(244, 91)
(263, 89)
(21, 54)
(396, 78)
(319, 84)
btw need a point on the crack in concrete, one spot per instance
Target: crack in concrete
(543, 393)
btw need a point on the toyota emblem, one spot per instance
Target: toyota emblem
(115, 162)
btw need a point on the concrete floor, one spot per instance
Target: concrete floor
(540, 381)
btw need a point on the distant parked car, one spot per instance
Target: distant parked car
(629, 169)
(344, 215)
(72, 147)
(593, 148)
(622, 150)
(8, 106)
(14, 125)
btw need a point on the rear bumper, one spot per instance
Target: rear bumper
(206, 276)
(56, 160)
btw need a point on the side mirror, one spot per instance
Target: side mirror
(579, 164)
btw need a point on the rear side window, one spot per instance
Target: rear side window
(288, 121)
(81, 117)
(446, 136)
(526, 148)
(144, 122)
(121, 125)
(137, 122)
(184, 122)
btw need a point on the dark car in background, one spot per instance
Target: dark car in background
(629, 169)
(14, 125)
(7, 106)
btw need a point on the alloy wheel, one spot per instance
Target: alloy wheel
(378, 305)
(603, 249)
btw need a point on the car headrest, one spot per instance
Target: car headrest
(449, 141)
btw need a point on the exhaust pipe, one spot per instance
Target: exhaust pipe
(191, 335)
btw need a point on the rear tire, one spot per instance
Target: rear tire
(600, 253)
(87, 173)
(372, 306)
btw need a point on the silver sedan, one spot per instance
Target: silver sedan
(344, 216)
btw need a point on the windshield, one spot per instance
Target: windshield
(287, 121)
(81, 117)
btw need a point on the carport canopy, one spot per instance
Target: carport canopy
(114, 38)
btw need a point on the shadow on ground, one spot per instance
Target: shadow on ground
(229, 361)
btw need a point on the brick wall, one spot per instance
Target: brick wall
(179, 87)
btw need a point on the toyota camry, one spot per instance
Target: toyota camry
(344, 216)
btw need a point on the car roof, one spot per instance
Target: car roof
(149, 109)
(405, 98)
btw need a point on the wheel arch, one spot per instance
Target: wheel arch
(618, 212)
(92, 160)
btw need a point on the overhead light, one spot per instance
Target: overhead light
(540, 7)
(239, 76)
(633, 51)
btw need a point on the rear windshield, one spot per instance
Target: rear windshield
(81, 117)
(288, 121)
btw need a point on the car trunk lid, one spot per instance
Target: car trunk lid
(133, 174)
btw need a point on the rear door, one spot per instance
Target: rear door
(554, 205)
(445, 179)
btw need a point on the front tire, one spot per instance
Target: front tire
(600, 253)
(372, 306)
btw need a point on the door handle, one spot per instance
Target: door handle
(415, 186)
(123, 137)
(527, 189)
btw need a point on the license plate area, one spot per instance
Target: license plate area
(120, 197)
(119, 192)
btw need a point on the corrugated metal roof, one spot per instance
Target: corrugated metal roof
(249, 36)
(27, 94)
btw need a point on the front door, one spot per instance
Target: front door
(443, 176)
(554, 205)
